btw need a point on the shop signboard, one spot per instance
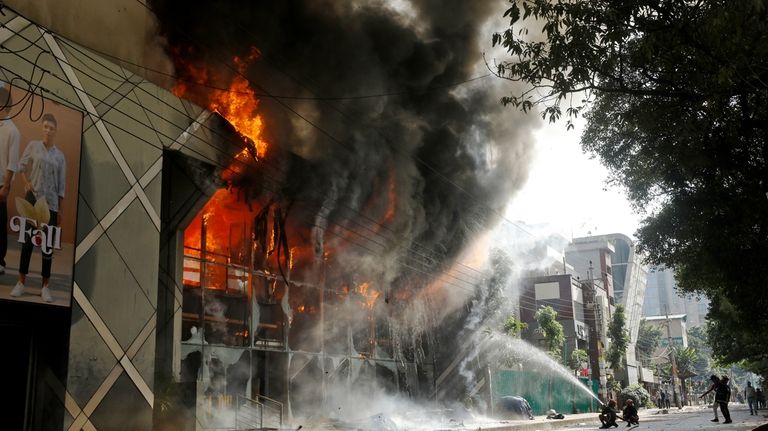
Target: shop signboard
(40, 143)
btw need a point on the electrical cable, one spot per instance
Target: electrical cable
(431, 258)
(313, 225)
(30, 93)
(450, 284)
(290, 97)
(351, 242)
(104, 76)
(153, 145)
(332, 137)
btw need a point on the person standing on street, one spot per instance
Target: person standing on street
(715, 382)
(723, 396)
(751, 396)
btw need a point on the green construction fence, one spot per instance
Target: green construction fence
(545, 391)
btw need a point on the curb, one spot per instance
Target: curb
(552, 424)
(587, 419)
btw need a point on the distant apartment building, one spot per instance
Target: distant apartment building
(581, 308)
(591, 256)
(612, 260)
(661, 297)
(564, 294)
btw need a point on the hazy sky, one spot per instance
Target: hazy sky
(567, 190)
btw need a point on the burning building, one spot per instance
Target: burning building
(248, 248)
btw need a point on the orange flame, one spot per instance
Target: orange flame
(221, 214)
(370, 295)
(238, 104)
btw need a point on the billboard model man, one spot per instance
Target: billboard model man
(43, 169)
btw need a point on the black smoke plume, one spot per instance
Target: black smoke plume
(452, 155)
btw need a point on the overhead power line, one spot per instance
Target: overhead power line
(338, 141)
(225, 167)
(471, 282)
(293, 96)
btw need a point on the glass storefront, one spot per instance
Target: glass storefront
(265, 333)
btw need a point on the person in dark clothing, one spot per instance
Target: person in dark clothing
(630, 413)
(722, 397)
(715, 381)
(608, 415)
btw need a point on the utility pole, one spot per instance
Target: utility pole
(673, 360)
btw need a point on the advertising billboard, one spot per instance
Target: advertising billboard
(40, 144)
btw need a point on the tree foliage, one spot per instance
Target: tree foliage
(733, 345)
(551, 330)
(685, 359)
(514, 326)
(578, 356)
(678, 111)
(617, 331)
(697, 340)
(637, 394)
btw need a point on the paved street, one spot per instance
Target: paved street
(692, 418)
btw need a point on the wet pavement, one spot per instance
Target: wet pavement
(689, 418)
(695, 418)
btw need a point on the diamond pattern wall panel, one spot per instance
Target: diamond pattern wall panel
(167, 115)
(86, 221)
(145, 359)
(90, 360)
(122, 397)
(127, 123)
(114, 291)
(121, 91)
(26, 65)
(154, 191)
(137, 143)
(136, 241)
(95, 84)
(101, 183)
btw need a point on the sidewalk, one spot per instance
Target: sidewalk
(541, 423)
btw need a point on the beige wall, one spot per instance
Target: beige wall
(130, 26)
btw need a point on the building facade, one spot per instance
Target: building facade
(565, 295)
(613, 260)
(186, 302)
(103, 372)
(582, 309)
(662, 297)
